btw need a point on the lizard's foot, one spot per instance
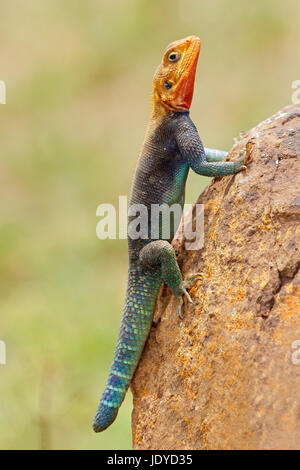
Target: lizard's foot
(188, 282)
(244, 157)
(239, 164)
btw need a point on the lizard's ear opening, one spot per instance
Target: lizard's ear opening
(168, 85)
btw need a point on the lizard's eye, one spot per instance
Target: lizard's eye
(168, 85)
(174, 56)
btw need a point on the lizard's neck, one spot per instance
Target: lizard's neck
(158, 110)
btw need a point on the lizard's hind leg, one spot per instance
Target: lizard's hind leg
(159, 257)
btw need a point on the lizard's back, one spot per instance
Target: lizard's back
(159, 178)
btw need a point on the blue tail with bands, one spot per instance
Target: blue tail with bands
(135, 326)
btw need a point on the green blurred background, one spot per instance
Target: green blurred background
(78, 76)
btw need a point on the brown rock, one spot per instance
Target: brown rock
(227, 376)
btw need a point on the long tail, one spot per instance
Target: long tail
(135, 326)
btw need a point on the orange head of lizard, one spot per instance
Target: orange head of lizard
(173, 82)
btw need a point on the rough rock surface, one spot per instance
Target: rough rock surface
(228, 375)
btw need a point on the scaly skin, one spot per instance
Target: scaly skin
(171, 147)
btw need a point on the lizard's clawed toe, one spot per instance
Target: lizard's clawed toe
(185, 292)
(179, 308)
(188, 282)
(191, 279)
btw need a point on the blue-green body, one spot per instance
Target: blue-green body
(169, 151)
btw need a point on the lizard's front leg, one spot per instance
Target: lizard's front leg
(218, 168)
(192, 150)
(159, 257)
(214, 155)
